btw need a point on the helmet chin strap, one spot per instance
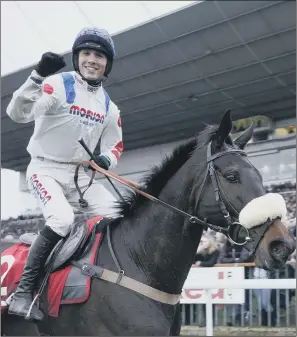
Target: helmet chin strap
(94, 83)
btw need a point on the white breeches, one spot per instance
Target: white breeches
(53, 185)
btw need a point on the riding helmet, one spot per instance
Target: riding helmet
(97, 39)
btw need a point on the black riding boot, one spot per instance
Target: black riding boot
(38, 254)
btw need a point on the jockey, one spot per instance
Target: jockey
(66, 107)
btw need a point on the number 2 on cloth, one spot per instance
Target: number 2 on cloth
(9, 259)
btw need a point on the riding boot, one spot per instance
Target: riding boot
(38, 254)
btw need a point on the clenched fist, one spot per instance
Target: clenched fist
(49, 64)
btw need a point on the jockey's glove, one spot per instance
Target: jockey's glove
(49, 64)
(102, 161)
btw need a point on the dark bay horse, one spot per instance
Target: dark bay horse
(209, 178)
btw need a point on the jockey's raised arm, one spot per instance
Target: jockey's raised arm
(65, 108)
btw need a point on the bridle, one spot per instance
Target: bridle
(220, 197)
(235, 232)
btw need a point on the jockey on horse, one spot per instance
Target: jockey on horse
(65, 107)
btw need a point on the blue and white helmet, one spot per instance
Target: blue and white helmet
(94, 38)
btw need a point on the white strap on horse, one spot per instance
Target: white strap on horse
(140, 288)
(120, 279)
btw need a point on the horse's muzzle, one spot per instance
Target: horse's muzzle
(281, 248)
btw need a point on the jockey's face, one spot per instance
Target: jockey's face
(91, 63)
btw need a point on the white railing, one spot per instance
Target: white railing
(208, 285)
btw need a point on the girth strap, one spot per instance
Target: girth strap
(127, 282)
(119, 278)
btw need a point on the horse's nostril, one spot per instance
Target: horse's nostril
(279, 249)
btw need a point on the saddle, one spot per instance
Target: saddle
(73, 247)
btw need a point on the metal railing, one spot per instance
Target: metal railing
(262, 307)
(258, 284)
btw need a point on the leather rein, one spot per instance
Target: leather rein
(192, 219)
(233, 227)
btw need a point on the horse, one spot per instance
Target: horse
(208, 182)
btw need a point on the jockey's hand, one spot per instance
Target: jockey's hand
(49, 64)
(102, 161)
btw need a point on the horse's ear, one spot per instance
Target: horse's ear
(243, 139)
(224, 129)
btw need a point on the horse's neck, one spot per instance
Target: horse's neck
(158, 240)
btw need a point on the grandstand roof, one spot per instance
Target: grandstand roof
(176, 71)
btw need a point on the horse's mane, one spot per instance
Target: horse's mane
(158, 177)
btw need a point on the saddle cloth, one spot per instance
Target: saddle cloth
(65, 286)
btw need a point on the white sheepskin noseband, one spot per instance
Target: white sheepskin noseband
(257, 211)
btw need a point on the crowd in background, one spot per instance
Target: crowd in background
(12, 229)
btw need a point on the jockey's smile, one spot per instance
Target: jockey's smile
(92, 63)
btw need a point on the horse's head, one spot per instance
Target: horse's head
(232, 196)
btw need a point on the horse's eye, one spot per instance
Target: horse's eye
(232, 178)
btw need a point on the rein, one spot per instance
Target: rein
(137, 188)
(243, 236)
(234, 228)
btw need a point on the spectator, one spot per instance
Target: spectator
(237, 254)
(230, 253)
(208, 252)
(207, 256)
(264, 298)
